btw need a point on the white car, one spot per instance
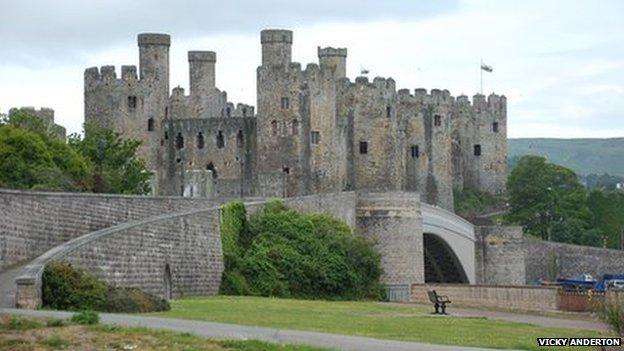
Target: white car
(616, 284)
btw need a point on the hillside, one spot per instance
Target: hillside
(584, 156)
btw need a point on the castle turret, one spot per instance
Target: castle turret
(154, 57)
(333, 59)
(276, 47)
(202, 71)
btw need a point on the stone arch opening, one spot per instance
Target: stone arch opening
(441, 263)
(167, 282)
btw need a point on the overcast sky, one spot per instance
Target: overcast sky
(560, 63)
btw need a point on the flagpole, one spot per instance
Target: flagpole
(481, 73)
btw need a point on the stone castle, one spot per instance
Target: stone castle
(314, 130)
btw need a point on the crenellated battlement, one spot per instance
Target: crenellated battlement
(331, 52)
(276, 36)
(154, 39)
(108, 74)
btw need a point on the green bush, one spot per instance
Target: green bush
(86, 318)
(280, 252)
(21, 323)
(68, 288)
(132, 300)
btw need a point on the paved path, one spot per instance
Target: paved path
(239, 332)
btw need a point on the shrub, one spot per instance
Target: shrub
(280, 252)
(612, 312)
(55, 342)
(68, 288)
(86, 318)
(132, 300)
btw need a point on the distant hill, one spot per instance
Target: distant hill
(584, 156)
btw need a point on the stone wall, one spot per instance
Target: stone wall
(499, 255)
(33, 222)
(569, 260)
(517, 297)
(394, 222)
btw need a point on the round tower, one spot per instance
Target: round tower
(333, 59)
(202, 71)
(276, 47)
(154, 57)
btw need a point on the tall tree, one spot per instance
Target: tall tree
(116, 168)
(549, 201)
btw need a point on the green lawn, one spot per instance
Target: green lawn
(372, 319)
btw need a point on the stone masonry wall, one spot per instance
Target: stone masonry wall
(569, 260)
(499, 255)
(394, 222)
(169, 257)
(33, 222)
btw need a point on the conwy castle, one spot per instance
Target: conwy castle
(314, 130)
(385, 161)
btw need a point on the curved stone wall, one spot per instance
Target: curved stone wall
(33, 222)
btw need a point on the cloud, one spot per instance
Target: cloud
(40, 32)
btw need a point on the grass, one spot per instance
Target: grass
(371, 319)
(44, 335)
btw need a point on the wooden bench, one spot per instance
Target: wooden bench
(438, 301)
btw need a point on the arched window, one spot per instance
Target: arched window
(228, 112)
(200, 140)
(150, 125)
(244, 111)
(179, 141)
(295, 127)
(220, 140)
(274, 127)
(240, 142)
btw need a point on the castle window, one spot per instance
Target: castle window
(132, 101)
(220, 140)
(150, 125)
(495, 127)
(414, 151)
(284, 103)
(210, 167)
(239, 139)
(295, 127)
(286, 170)
(388, 111)
(228, 112)
(200, 140)
(477, 150)
(363, 147)
(274, 127)
(166, 136)
(166, 111)
(244, 112)
(315, 137)
(179, 141)
(437, 120)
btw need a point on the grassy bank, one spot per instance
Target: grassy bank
(386, 321)
(22, 334)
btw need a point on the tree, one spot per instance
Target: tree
(33, 161)
(115, 166)
(608, 215)
(548, 199)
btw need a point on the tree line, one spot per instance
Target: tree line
(100, 161)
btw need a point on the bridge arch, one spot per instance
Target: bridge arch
(453, 239)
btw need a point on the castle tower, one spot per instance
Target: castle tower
(202, 71)
(154, 57)
(276, 47)
(333, 59)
